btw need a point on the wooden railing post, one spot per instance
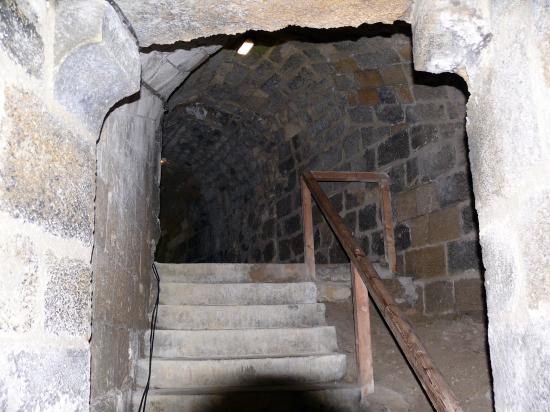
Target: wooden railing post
(363, 348)
(389, 240)
(383, 181)
(439, 392)
(307, 219)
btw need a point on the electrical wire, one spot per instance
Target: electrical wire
(143, 401)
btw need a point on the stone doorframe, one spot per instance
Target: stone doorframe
(83, 57)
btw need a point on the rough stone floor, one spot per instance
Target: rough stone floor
(457, 344)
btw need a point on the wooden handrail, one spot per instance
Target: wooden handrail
(332, 176)
(383, 181)
(432, 381)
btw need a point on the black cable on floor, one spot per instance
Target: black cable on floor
(143, 402)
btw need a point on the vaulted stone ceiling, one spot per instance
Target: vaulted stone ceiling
(244, 127)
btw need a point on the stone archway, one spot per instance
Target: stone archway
(46, 196)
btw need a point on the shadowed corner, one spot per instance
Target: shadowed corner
(262, 394)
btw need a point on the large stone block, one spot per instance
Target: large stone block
(425, 112)
(20, 37)
(188, 60)
(426, 262)
(405, 205)
(422, 135)
(352, 199)
(436, 161)
(165, 78)
(20, 283)
(361, 114)
(47, 170)
(402, 237)
(535, 246)
(419, 231)
(527, 370)
(469, 219)
(469, 295)
(390, 113)
(439, 226)
(372, 135)
(454, 189)
(189, 21)
(393, 75)
(439, 297)
(396, 147)
(463, 255)
(493, 127)
(165, 71)
(420, 201)
(406, 293)
(126, 232)
(44, 378)
(537, 382)
(368, 97)
(369, 78)
(97, 60)
(500, 258)
(448, 37)
(444, 225)
(427, 199)
(367, 217)
(377, 243)
(67, 299)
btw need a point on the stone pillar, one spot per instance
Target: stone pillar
(126, 231)
(127, 225)
(502, 48)
(58, 81)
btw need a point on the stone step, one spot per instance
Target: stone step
(193, 317)
(240, 317)
(237, 293)
(177, 373)
(231, 272)
(299, 398)
(243, 343)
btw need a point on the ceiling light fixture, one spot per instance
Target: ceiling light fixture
(245, 47)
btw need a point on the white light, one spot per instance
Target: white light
(245, 47)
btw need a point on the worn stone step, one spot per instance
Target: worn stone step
(231, 272)
(243, 343)
(298, 398)
(240, 317)
(177, 373)
(238, 293)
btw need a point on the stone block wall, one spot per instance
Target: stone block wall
(56, 87)
(352, 104)
(508, 133)
(46, 103)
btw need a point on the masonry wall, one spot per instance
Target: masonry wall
(352, 104)
(49, 126)
(503, 51)
(45, 210)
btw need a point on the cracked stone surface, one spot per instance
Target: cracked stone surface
(167, 21)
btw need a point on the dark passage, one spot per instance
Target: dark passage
(236, 138)
(242, 128)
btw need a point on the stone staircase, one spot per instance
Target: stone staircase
(243, 337)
